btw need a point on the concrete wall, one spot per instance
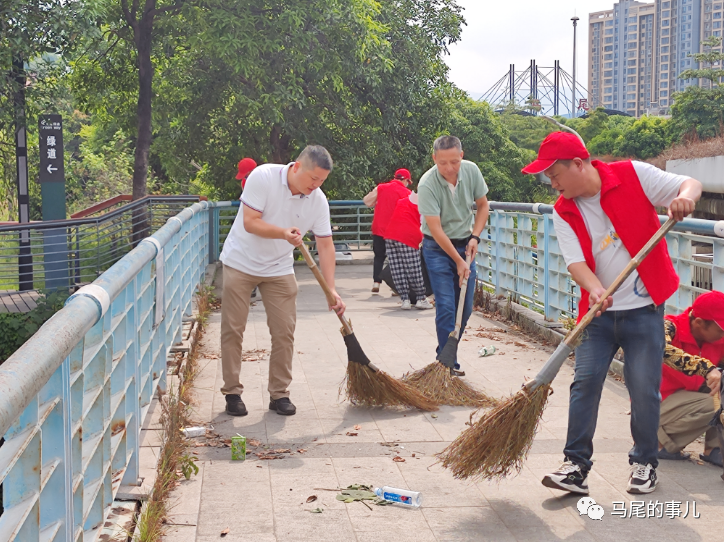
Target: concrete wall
(710, 171)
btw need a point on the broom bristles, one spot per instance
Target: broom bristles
(365, 387)
(498, 443)
(436, 383)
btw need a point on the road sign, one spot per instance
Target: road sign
(50, 129)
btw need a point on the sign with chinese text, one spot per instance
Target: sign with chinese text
(50, 130)
(583, 104)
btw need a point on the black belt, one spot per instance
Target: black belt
(457, 243)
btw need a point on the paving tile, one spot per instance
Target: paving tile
(253, 497)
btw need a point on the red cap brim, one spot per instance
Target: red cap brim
(240, 177)
(538, 166)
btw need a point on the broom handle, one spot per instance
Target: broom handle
(461, 303)
(633, 264)
(325, 287)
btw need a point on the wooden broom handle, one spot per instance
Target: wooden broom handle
(633, 264)
(325, 287)
(461, 302)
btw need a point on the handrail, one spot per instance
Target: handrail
(102, 206)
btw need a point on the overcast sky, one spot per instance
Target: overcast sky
(500, 33)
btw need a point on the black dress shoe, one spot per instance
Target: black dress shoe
(235, 406)
(283, 406)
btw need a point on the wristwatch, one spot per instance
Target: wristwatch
(476, 238)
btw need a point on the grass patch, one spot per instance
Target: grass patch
(175, 461)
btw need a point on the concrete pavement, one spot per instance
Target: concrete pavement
(335, 444)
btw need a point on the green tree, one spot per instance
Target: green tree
(711, 62)
(486, 143)
(33, 36)
(363, 78)
(697, 112)
(525, 131)
(645, 139)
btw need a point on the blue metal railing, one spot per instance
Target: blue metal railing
(73, 398)
(520, 257)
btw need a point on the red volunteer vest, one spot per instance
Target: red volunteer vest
(635, 220)
(405, 224)
(671, 379)
(387, 196)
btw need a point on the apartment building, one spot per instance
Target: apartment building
(637, 50)
(711, 25)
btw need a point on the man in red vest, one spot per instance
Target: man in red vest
(604, 215)
(694, 348)
(384, 198)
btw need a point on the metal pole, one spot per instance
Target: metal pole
(556, 86)
(511, 83)
(573, 94)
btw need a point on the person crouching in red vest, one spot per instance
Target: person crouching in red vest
(604, 215)
(690, 377)
(384, 198)
(403, 237)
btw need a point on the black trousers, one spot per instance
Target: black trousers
(378, 246)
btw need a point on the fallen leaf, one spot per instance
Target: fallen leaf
(253, 442)
(358, 427)
(282, 451)
(398, 459)
(311, 498)
(301, 451)
(317, 511)
(413, 455)
(350, 434)
(433, 415)
(225, 532)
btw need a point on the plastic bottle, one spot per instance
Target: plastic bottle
(486, 351)
(402, 496)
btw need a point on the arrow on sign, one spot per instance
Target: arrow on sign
(51, 169)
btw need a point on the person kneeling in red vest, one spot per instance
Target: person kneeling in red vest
(605, 214)
(690, 378)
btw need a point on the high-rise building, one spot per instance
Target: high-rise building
(637, 51)
(712, 19)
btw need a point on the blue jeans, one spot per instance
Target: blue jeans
(445, 283)
(640, 332)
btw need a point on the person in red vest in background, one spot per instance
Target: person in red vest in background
(690, 377)
(605, 214)
(384, 198)
(246, 166)
(402, 239)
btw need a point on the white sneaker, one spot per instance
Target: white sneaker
(406, 305)
(642, 479)
(423, 304)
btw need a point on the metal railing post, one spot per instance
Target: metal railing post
(498, 216)
(547, 224)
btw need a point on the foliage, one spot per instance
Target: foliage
(16, 328)
(524, 131)
(645, 139)
(697, 112)
(486, 143)
(188, 466)
(711, 62)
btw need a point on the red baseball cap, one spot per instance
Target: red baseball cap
(557, 146)
(246, 166)
(710, 306)
(403, 174)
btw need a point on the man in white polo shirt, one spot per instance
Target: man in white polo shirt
(279, 205)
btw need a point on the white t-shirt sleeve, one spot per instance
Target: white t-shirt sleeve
(256, 190)
(322, 226)
(567, 241)
(661, 187)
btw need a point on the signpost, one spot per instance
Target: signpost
(52, 191)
